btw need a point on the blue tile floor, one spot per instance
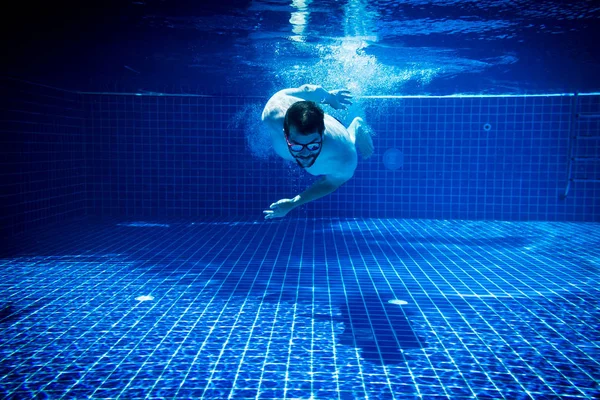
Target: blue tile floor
(327, 309)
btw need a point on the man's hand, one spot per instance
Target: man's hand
(280, 209)
(338, 99)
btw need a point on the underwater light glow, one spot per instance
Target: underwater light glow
(144, 224)
(475, 96)
(145, 298)
(393, 159)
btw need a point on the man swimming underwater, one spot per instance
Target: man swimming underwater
(319, 143)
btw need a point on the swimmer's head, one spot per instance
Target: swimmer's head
(303, 127)
(306, 116)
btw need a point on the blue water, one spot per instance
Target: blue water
(255, 47)
(453, 264)
(342, 308)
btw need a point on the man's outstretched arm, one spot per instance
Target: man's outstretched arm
(336, 98)
(322, 187)
(275, 109)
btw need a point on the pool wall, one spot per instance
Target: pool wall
(43, 162)
(68, 155)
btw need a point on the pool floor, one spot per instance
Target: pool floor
(297, 308)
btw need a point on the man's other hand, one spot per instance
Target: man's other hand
(338, 99)
(279, 209)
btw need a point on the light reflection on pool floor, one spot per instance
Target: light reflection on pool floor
(374, 308)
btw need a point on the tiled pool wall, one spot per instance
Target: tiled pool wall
(501, 158)
(43, 156)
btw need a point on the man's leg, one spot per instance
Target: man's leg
(354, 126)
(363, 140)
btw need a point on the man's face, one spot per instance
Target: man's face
(304, 148)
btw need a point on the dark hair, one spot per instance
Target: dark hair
(306, 116)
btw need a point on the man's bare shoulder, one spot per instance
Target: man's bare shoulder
(272, 112)
(277, 106)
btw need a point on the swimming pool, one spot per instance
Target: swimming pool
(460, 261)
(128, 271)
